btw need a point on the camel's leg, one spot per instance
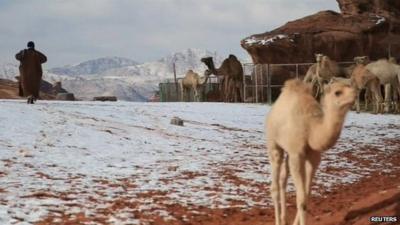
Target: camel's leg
(312, 162)
(366, 98)
(222, 89)
(283, 183)
(236, 90)
(396, 93)
(375, 88)
(240, 91)
(231, 87)
(225, 88)
(388, 92)
(297, 170)
(398, 100)
(181, 86)
(276, 160)
(196, 94)
(226, 94)
(358, 101)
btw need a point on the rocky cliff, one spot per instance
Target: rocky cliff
(363, 27)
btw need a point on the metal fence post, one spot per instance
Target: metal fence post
(269, 74)
(244, 83)
(262, 82)
(256, 81)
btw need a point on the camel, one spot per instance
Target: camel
(387, 72)
(193, 81)
(322, 72)
(30, 72)
(232, 71)
(303, 128)
(361, 78)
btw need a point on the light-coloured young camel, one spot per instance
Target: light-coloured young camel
(322, 72)
(303, 128)
(387, 72)
(193, 81)
(361, 78)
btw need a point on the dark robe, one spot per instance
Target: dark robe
(30, 71)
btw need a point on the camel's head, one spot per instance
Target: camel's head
(361, 60)
(209, 63)
(318, 57)
(339, 95)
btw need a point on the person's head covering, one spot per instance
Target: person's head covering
(31, 45)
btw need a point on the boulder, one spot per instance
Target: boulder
(65, 97)
(363, 27)
(176, 121)
(105, 98)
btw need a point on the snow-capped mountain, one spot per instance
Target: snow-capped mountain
(163, 68)
(9, 70)
(123, 78)
(93, 66)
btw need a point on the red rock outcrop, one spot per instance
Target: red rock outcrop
(9, 90)
(364, 27)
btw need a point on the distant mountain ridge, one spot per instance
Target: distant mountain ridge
(93, 66)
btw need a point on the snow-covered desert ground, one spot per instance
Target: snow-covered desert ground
(115, 161)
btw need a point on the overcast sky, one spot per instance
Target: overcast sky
(71, 31)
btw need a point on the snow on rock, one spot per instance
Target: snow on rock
(87, 157)
(378, 19)
(253, 40)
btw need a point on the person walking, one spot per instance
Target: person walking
(31, 72)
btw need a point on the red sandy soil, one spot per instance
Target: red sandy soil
(375, 195)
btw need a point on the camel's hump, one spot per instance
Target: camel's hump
(296, 85)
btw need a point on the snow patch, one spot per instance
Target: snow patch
(253, 40)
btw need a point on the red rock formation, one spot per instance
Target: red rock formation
(364, 27)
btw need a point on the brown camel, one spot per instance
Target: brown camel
(193, 81)
(30, 71)
(303, 128)
(232, 71)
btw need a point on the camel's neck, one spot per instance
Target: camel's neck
(325, 130)
(211, 67)
(204, 79)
